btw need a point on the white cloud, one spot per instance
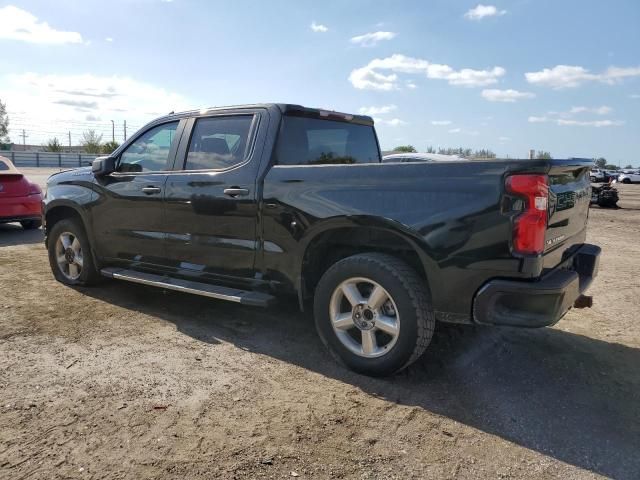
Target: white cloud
(108, 39)
(318, 27)
(510, 95)
(441, 122)
(372, 39)
(635, 96)
(51, 105)
(411, 85)
(578, 123)
(455, 130)
(18, 24)
(482, 11)
(377, 110)
(394, 122)
(504, 139)
(603, 110)
(590, 123)
(370, 77)
(571, 76)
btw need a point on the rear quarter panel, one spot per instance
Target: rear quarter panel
(451, 211)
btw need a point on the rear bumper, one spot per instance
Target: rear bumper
(542, 302)
(14, 209)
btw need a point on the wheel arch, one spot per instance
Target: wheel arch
(342, 237)
(60, 210)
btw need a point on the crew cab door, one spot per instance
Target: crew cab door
(128, 219)
(211, 203)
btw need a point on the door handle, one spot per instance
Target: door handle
(236, 192)
(150, 190)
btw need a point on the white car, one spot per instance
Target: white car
(419, 157)
(597, 175)
(629, 177)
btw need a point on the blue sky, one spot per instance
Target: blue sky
(562, 76)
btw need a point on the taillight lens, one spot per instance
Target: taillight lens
(530, 226)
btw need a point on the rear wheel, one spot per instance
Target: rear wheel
(374, 314)
(70, 254)
(626, 180)
(31, 224)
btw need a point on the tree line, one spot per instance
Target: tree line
(91, 143)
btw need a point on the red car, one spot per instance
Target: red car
(20, 200)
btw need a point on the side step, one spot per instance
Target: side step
(245, 297)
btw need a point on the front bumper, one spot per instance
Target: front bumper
(539, 303)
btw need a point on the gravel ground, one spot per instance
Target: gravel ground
(126, 381)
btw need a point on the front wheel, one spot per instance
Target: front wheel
(626, 180)
(70, 254)
(374, 314)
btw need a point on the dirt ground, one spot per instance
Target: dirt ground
(126, 381)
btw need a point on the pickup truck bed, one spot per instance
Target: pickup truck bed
(268, 201)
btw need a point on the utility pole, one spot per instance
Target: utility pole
(125, 130)
(24, 136)
(69, 140)
(113, 131)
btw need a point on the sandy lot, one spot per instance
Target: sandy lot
(126, 381)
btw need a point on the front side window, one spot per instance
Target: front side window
(150, 152)
(218, 142)
(312, 141)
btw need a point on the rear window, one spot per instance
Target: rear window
(311, 141)
(3, 166)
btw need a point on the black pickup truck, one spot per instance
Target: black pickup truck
(257, 202)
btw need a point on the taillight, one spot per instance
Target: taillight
(34, 189)
(530, 226)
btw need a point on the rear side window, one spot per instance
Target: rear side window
(312, 141)
(3, 166)
(218, 142)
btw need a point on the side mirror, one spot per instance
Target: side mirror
(103, 166)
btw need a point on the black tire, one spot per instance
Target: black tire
(89, 274)
(406, 290)
(31, 224)
(594, 179)
(626, 180)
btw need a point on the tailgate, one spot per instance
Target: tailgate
(569, 195)
(13, 185)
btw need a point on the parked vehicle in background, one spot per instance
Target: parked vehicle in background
(629, 177)
(20, 200)
(604, 196)
(419, 157)
(611, 175)
(597, 175)
(250, 203)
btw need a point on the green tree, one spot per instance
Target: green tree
(542, 155)
(110, 146)
(405, 149)
(629, 166)
(600, 162)
(53, 145)
(4, 124)
(610, 166)
(91, 141)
